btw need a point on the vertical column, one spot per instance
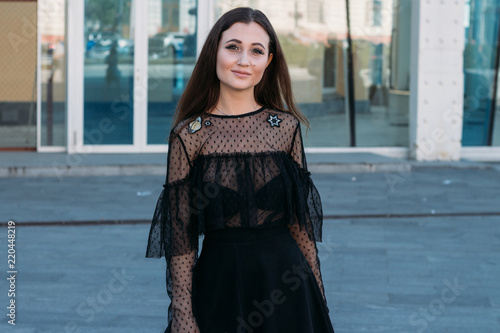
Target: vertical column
(436, 80)
(205, 22)
(139, 26)
(75, 18)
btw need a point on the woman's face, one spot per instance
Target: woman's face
(243, 56)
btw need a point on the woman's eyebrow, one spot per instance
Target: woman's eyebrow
(239, 41)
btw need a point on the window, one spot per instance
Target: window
(377, 13)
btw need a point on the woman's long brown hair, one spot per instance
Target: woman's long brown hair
(202, 91)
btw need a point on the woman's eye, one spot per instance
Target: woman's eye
(258, 51)
(232, 47)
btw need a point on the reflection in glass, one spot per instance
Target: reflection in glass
(53, 73)
(172, 55)
(496, 119)
(495, 140)
(381, 71)
(108, 72)
(313, 34)
(481, 47)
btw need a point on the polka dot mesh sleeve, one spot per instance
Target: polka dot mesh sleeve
(307, 236)
(173, 235)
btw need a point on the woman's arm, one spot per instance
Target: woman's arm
(306, 233)
(174, 235)
(181, 270)
(310, 251)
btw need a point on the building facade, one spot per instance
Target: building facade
(403, 78)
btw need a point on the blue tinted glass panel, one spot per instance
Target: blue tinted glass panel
(108, 72)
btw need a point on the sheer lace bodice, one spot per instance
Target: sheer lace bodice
(227, 172)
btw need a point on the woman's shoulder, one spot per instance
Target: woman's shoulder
(289, 116)
(284, 117)
(284, 113)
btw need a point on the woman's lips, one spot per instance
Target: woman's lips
(241, 74)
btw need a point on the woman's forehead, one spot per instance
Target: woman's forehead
(246, 33)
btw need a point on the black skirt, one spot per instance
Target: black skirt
(256, 280)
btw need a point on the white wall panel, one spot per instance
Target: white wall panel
(436, 103)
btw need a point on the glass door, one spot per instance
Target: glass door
(131, 61)
(172, 34)
(108, 117)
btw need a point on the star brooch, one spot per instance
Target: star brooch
(274, 120)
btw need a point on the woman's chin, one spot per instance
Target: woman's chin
(237, 87)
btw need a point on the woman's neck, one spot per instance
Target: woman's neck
(236, 102)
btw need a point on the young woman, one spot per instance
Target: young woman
(237, 174)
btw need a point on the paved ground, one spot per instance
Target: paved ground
(406, 250)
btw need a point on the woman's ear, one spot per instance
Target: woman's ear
(269, 60)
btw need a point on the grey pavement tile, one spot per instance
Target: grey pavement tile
(489, 281)
(401, 269)
(367, 261)
(360, 248)
(361, 298)
(467, 316)
(411, 279)
(375, 319)
(418, 299)
(403, 288)
(363, 285)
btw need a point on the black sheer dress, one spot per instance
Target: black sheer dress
(242, 182)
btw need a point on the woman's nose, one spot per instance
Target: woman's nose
(243, 59)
